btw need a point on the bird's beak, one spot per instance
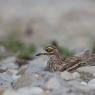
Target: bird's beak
(39, 54)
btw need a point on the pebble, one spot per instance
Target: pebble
(5, 83)
(91, 84)
(5, 80)
(23, 81)
(78, 86)
(26, 91)
(66, 75)
(1, 90)
(87, 69)
(37, 65)
(22, 70)
(9, 63)
(84, 83)
(36, 91)
(76, 75)
(10, 92)
(30, 91)
(53, 83)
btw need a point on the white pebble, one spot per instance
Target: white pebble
(76, 75)
(87, 69)
(53, 83)
(91, 84)
(36, 90)
(10, 92)
(24, 91)
(83, 83)
(30, 91)
(66, 75)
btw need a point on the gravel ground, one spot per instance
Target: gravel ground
(31, 79)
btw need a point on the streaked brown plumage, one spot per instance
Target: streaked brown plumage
(58, 63)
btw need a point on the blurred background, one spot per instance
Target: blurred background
(26, 25)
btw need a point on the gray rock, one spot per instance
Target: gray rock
(5, 83)
(79, 89)
(84, 83)
(76, 75)
(10, 92)
(27, 80)
(30, 91)
(88, 69)
(66, 75)
(8, 63)
(23, 81)
(6, 79)
(22, 70)
(87, 72)
(37, 65)
(91, 84)
(53, 83)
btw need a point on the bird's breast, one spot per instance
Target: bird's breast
(54, 64)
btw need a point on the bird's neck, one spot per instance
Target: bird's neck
(55, 57)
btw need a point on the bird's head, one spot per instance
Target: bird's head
(49, 50)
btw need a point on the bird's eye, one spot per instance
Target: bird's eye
(49, 49)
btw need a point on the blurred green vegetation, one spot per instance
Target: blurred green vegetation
(65, 51)
(17, 47)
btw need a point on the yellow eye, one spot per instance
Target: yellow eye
(49, 49)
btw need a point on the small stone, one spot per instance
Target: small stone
(46, 92)
(30, 91)
(23, 81)
(87, 69)
(66, 75)
(9, 63)
(24, 91)
(5, 80)
(1, 90)
(36, 91)
(10, 92)
(91, 84)
(38, 77)
(22, 70)
(76, 75)
(83, 83)
(37, 65)
(53, 83)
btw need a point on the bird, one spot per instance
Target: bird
(57, 62)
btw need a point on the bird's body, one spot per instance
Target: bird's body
(54, 63)
(58, 63)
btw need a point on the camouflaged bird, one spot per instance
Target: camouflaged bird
(59, 63)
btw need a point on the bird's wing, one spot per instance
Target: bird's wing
(70, 62)
(90, 60)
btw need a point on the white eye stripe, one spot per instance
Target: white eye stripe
(50, 48)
